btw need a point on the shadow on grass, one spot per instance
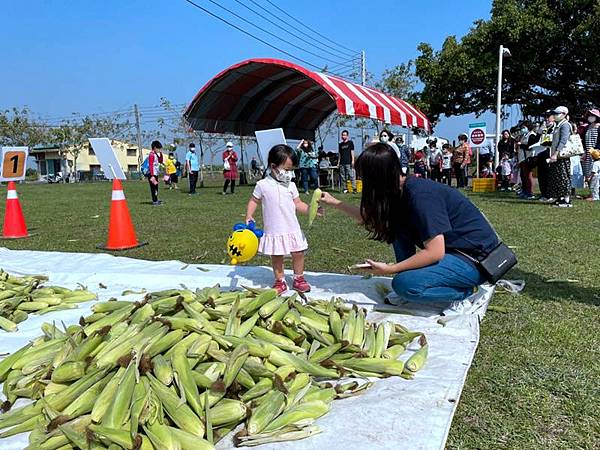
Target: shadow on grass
(539, 289)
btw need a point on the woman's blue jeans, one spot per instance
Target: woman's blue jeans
(309, 173)
(453, 278)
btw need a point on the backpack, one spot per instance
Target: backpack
(145, 167)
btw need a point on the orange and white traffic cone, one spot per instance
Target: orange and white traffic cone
(14, 222)
(121, 234)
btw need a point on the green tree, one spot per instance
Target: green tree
(554, 60)
(18, 128)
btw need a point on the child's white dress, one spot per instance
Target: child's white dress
(282, 233)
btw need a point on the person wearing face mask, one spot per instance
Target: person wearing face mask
(387, 137)
(307, 158)
(590, 142)
(559, 170)
(282, 234)
(192, 166)
(229, 167)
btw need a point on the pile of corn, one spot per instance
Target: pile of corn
(181, 369)
(21, 296)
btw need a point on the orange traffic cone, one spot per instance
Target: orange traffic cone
(14, 222)
(121, 234)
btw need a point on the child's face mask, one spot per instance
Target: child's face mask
(282, 175)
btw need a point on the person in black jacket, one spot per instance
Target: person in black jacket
(527, 160)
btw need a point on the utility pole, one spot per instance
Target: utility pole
(503, 51)
(139, 134)
(363, 68)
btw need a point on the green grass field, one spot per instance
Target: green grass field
(535, 381)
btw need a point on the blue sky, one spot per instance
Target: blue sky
(61, 56)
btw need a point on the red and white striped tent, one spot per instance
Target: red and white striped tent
(259, 94)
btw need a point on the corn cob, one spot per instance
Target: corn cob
(228, 411)
(302, 411)
(281, 358)
(376, 365)
(314, 206)
(267, 411)
(185, 380)
(417, 360)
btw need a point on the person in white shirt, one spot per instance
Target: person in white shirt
(434, 161)
(595, 175)
(446, 165)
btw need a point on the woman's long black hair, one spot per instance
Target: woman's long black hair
(379, 168)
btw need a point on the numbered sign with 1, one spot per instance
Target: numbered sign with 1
(13, 162)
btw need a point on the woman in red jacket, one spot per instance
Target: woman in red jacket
(229, 168)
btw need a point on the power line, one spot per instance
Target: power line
(252, 35)
(233, 13)
(311, 29)
(287, 30)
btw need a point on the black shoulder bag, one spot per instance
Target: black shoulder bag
(496, 263)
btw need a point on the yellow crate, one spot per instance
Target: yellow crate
(484, 184)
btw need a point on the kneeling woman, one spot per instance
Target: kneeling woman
(411, 212)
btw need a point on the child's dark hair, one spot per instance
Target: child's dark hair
(446, 146)
(279, 154)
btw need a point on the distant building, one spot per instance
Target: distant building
(50, 160)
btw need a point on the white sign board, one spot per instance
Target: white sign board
(266, 140)
(13, 162)
(108, 158)
(477, 134)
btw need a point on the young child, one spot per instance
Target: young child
(506, 165)
(488, 170)
(446, 165)
(280, 202)
(595, 176)
(420, 165)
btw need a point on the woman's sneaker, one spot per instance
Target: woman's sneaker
(300, 284)
(562, 204)
(280, 286)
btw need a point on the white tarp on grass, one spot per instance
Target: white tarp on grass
(393, 414)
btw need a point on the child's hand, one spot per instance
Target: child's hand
(250, 219)
(320, 211)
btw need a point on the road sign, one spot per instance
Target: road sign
(477, 133)
(13, 163)
(107, 158)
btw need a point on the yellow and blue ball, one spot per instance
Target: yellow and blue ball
(242, 244)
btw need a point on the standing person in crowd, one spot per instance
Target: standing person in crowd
(171, 168)
(559, 176)
(282, 234)
(192, 166)
(434, 161)
(507, 145)
(526, 159)
(505, 171)
(387, 137)
(346, 152)
(229, 167)
(307, 158)
(446, 165)
(486, 154)
(459, 161)
(420, 165)
(545, 138)
(590, 142)
(154, 162)
(404, 154)
(595, 175)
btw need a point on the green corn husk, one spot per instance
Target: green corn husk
(270, 408)
(303, 411)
